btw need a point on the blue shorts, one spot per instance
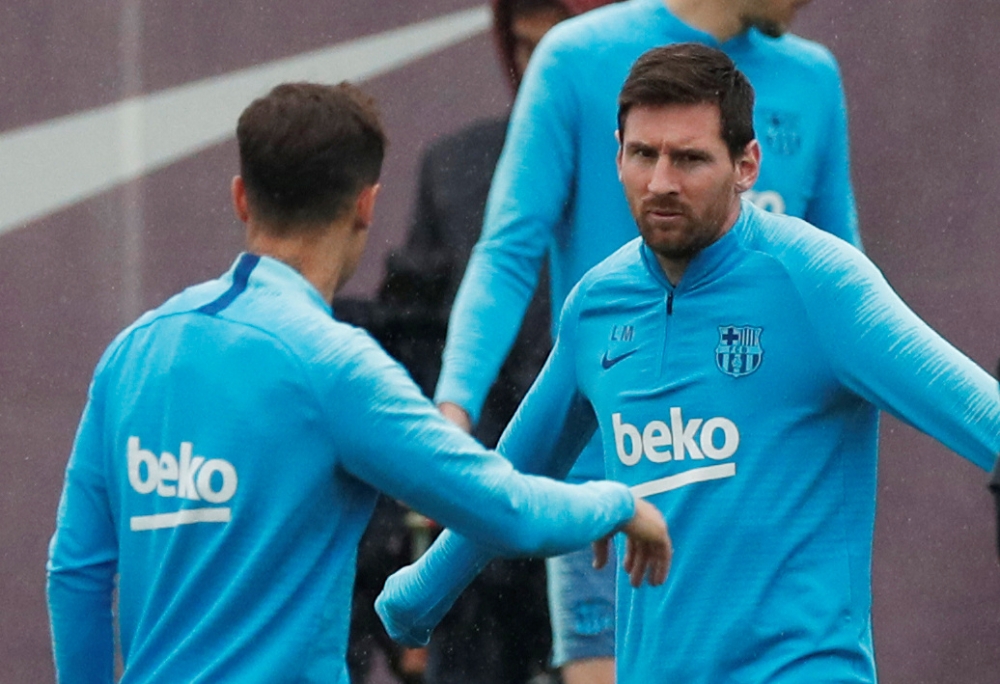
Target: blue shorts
(581, 607)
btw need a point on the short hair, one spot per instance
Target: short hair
(307, 150)
(687, 74)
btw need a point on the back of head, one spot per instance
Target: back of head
(690, 74)
(306, 151)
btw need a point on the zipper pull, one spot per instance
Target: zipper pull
(670, 302)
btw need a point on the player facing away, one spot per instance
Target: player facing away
(734, 363)
(233, 440)
(555, 196)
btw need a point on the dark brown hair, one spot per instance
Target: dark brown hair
(691, 73)
(504, 12)
(307, 150)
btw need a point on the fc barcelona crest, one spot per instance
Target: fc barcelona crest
(780, 131)
(739, 352)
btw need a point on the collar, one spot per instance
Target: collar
(271, 274)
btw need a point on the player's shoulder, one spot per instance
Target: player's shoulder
(323, 344)
(596, 31)
(620, 264)
(259, 301)
(179, 303)
(621, 274)
(325, 352)
(806, 254)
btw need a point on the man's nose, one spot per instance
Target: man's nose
(665, 177)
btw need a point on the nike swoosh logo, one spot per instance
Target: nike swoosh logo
(607, 362)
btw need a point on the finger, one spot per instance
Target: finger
(662, 567)
(600, 553)
(664, 554)
(640, 563)
(652, 563)
(669, 560)
(632, 579)
(636, 564)
(629, 554)
(659, 574)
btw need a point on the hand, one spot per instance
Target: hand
(647, 548)
(456, 414)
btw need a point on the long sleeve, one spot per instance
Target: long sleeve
(528, 197)
(832, 206)
(548, 432)
(896, 361)
(82, 563)
(399, 443)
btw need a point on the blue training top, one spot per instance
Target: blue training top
(556, 190)
(744, 404)
(225, 467)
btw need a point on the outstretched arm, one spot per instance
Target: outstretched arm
(396, 440)
(895, 360)
(552, 425)
(417, 597)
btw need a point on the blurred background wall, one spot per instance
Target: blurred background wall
(77, 266)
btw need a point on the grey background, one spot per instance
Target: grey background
(921, 82)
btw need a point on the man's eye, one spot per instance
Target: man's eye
(690, 159)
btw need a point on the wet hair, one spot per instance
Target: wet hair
(688, 74)
(307, 150)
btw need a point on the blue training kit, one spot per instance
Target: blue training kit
(556, 191)
(744, 404)
(225, 467)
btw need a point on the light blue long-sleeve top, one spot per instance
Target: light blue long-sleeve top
(744, 404)
(556, 191)
(225, 467)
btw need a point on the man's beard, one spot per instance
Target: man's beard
(698, 233)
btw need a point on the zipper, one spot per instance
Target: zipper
(666, 330)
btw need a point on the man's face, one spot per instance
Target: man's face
(528, 28)
(770, 17)
(680, 182)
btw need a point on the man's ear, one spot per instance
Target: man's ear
(239, 193)
(618, 154)
(365, 205)
(748, 166)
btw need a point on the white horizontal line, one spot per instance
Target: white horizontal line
(54, 164)
(141, 523)
(665, 484)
